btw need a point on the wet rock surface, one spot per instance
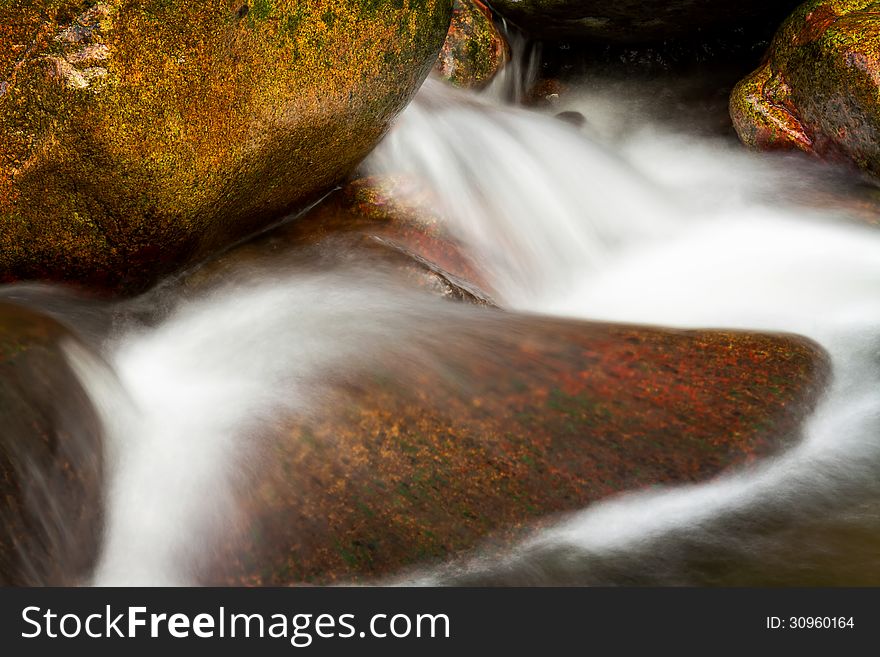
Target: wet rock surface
(817, 91)
(51, 457)
(474, 50)
(386, 224)
(407, 468)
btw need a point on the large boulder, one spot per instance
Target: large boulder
(635, 21)
(138, 137)
(50, 456)
(409, 463)
(819, 88)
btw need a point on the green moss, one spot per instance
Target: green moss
(210, 123)
(291, 23)
(261, 9)
(474, 50)
(818, 91)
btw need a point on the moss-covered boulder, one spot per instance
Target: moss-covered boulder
(635, 21)
(140, 136)
(524, 417)
(50, 457)
(474, 50)
(819, 88)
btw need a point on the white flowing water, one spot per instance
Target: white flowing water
(636, 223)
(190, 399)
(654, 226)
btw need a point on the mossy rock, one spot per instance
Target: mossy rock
(407, 465)
(50, 457)
(139, 137)
(635, 21)
(475, 50)
(818, 90)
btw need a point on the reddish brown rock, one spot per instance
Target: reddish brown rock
(474, 50)
(818, 89)
(376, 223)
(526, 417)
(50, 457)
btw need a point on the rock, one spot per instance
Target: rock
(525, 417)
(375, 223)
(474, 50)
(545, 93)
(634, 21)
(140, 137)
(573, 118)
(819, 88)
(50, 457)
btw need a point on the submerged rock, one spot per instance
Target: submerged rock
(410, 464)
(819, 89)
(388, 224)
(50, 457)
(140, 137)
(573, 118)
(474, 50)
(634, 21)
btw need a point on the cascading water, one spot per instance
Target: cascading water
(191, 397)
(682, 232)
(659, 227)
(517, 194)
